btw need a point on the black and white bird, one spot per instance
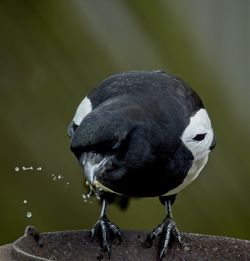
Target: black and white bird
(141, 134)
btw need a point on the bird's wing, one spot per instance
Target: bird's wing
(132, 129)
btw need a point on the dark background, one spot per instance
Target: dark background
(53, 52)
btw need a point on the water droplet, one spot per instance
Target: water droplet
(29, 214)
(17, 168)
(27, 168)
(59, 177)
(39, 168)
(86, 197)
(25, 201)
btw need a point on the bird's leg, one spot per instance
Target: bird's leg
(167, 231)
(105, 230)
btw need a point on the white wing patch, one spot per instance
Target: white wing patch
(84, 108)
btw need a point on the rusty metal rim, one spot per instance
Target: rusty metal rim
(18, 251)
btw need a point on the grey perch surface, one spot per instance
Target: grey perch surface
(77, 246)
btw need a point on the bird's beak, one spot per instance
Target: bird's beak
(71, 129)
(213, 143)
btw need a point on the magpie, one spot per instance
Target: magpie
(141, 134)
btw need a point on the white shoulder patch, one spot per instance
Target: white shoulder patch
(199, 124)
(84, 108)
(197, 137)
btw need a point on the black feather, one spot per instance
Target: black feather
(138, 118)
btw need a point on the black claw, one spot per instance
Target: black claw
(116, 232)
(106, 231)
(167, 231)
(107, 247)
(155, 233)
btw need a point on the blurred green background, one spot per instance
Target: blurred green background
(53, 52)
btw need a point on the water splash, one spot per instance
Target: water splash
(86, 197)
(30, 168)
(60, 178)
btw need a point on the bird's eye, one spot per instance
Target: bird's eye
(200, 137)
(72, 128)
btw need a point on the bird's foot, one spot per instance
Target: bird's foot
(167, 231)
(106, 231)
